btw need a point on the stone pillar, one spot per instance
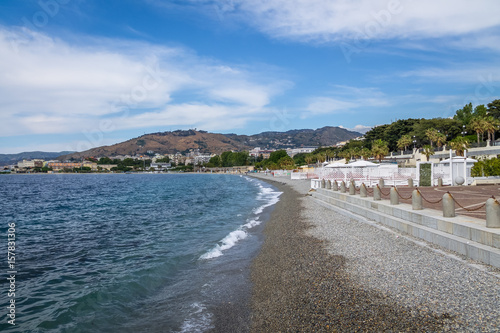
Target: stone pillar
(381, 183)
(440, 182)
(394, 196)
(362, 191)
(352, 188)
(416, 200)
(492, 213)
(328, 184)
(322, 183)
(342, 187)
(410, 182)
(448, 205)
(335, 186)
(376, 193)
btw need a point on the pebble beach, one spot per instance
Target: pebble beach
(324, 270)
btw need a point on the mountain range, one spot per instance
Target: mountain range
(6, 159)
(185, 140)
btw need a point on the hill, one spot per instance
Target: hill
(6, 159)
(183, 141)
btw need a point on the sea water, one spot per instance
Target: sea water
(129, 252)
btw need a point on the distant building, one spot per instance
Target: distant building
(256, 152)
(106, 166)
(25, 164)
(303, 150)
(161, 166)
(56, 166)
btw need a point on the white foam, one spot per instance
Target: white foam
(226, 243)
(199, 320)
(266, 194)
(252, 223)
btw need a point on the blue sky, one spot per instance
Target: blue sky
(76, 74)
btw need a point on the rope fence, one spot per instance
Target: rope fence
(432, 202)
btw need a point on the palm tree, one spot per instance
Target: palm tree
(479, 125)
(365, 153)
(346, 154)
(428, 151)
(380, 149)
(491, 125)
(404, 142)
(432, 135)
(440, 140)
(459, 144)
(308, 159)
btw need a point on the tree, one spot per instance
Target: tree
(380, 149)
(479, 126)
(491, 126)
(300, 159)
(440, 140)
(480, 111)
(494, 109)
(365, 153)
(459, 144)
(286, 163)
(275, 156)
(345, 154)
(428, 151)
(432, 135)
(404, 142)
(165, 159)
(464, 115)
(309, 159)
(105, 160)
(214, 162)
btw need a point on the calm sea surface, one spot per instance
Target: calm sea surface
(129, 253)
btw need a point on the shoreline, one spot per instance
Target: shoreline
(321, 271)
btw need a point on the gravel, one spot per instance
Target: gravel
(321, 271)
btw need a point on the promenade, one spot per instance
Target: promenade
(325, 269)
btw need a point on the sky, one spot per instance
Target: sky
(77, 74)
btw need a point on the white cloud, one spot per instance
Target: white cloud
(345, 99)
(332, 20)
(49, 85)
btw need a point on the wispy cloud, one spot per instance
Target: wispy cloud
(327, 20)
(345, 99)
(49, 85)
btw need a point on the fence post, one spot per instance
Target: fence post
(492, 213)
(322, 183)
(381, 182)
(416, 200)
(342, 187)
(335, 186)
(362, 191)
(376, 193)
(410, 182)
(448, 205)
(394, 196)
(328, 184)
(352, 188)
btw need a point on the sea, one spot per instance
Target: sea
(128, 252)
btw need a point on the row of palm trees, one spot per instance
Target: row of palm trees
(379, 150)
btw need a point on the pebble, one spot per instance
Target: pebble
(320, 271)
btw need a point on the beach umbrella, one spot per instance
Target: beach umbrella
(362, 164)
(336, 165)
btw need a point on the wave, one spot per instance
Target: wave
(266, 194)
(198, 321)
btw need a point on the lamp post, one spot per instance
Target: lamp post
(414, 142)
(463, 130)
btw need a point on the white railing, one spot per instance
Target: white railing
(370, 176)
